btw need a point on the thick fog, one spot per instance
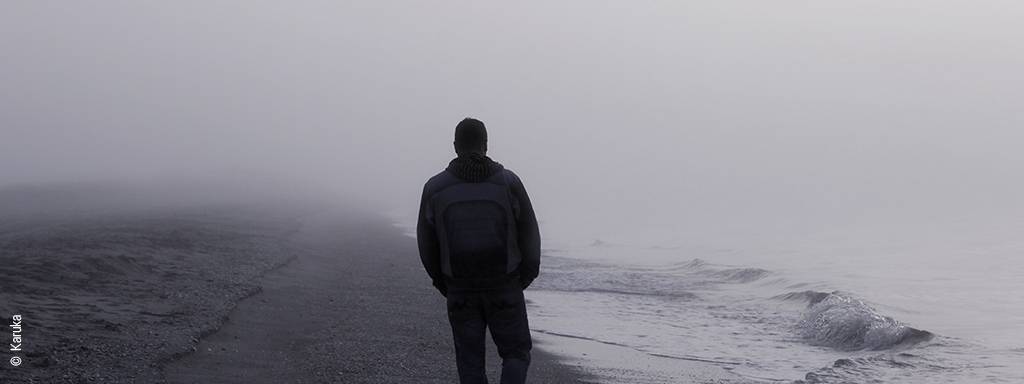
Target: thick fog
(624, 116)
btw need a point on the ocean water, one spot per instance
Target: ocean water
(897, 302)
(907, 301)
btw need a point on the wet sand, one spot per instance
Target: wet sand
(356, 307)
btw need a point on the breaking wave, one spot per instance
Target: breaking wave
(746, 315)
(831, 319)
(843, 322)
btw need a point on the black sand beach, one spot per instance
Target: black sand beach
(225, 294)
(108, 298)
(354, 308)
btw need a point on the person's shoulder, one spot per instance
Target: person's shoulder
(438, 181)
(511, 174)
(511, 178)
(438, 176)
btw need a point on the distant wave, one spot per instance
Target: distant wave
(870, 368)
(677, 281)
(740, 275)
(842, 322)
(809, 297)
(695, 263)
(844, 369)
(723, 274)
(681, 294)
(598, 243)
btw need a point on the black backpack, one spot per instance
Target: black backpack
(476, 227)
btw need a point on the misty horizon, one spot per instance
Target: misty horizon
(714, 182)
(851, 111)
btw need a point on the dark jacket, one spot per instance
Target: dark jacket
(459, 181)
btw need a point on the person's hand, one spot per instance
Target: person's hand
(525, 283)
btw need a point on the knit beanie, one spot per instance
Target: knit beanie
(470, 135)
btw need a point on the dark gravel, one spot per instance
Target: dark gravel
(105, 298)
(353, 307)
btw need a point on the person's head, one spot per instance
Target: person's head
(470, 137)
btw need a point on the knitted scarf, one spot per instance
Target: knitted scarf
(474, 167)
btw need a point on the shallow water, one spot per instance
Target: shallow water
(948, 311)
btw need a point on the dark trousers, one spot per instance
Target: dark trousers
(503, 310)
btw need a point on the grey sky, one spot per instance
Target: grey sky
(627, 114)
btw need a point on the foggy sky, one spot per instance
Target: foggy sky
(621, 114)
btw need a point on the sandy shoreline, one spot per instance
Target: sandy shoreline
(355, 308)
(229, 294)
(223, 294)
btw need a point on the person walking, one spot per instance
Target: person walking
(480, 244)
